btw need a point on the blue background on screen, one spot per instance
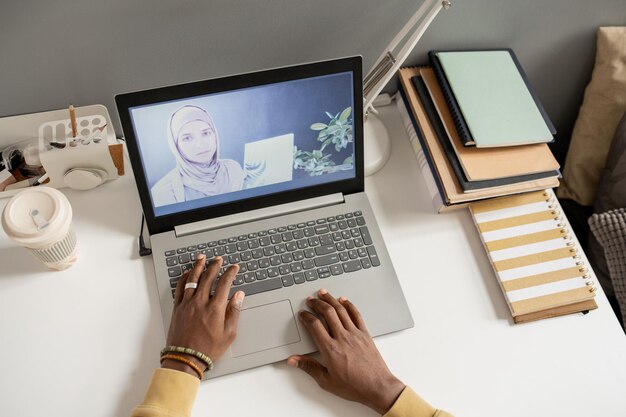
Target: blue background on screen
(248, 115)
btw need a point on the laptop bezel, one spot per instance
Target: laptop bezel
(126, 101)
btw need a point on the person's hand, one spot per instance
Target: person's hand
(202, 322)
(351, 367)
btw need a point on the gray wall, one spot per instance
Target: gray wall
(56, 52)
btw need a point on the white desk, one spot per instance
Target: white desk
(84, 342)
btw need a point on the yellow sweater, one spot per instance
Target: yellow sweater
(172, 393)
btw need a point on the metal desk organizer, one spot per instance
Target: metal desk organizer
(92, 153)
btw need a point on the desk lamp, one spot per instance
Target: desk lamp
(376, 138)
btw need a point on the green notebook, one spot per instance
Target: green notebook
(494, 98)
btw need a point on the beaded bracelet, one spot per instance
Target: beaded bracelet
(188, 351)
(185, 361)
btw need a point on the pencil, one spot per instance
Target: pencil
(73, 120)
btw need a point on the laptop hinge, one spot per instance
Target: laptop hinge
(259, 214)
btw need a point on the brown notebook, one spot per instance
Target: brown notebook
(538, 265)
(489, 163)
(445, 175)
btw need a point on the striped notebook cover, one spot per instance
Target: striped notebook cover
(532, 252)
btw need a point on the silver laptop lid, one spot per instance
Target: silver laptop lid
(212, 148)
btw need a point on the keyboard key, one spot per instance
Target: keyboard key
(232, 239)
(320, 221)
(358, 213)
(191, 248)
(353, 254)
(245, 256)
(287, 280)
(320, 230)
(340, 217)
(349, 244)
(238, 279)
(326, 260)
(326, 240)
(286, 258)
(181, 250)
(252, 265)
(263, 233)
(371, 251)
(171, 261)
(365, 262)
(360, 221)
(298, 234)
(261, 274)
(309, 232)
(219, 251)
(301, 225)
(330, 219)
(222, 241)
(324, 250)
(323, 272)
(184, 258)
(241, 246)
(174, 282)
(257, 253)
(365, 235)
(275, 239)
(340, 246)
(186, 267)
(258, 287)
(282, 229)
(299, 278)
(344, 256)
(231, 248)
(252, 235)
(295, 267)
(249, 277)
(242, 237)
(174, 271)
(264, 241)
(303, 244)
(333, 227)
(342, 224)
(349, 215)
(310, 275)
(309, 253)
(170, 252)
(280, 249)
(268, 251)
(202, 246)
(313, 241)
(272, 231)
(284, 269)
(275, 260)
(291, 246)
(287, 236)
(272, 272)
(308, 264)
(264, 263)
(355, 232)
(310, 223)
(352, 266)
(253, 243)
(234, 259)
(298, 255)
(351, 223)
(336, 269)
(173, 292)
(291, 227)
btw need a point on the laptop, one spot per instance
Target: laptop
(266, 170)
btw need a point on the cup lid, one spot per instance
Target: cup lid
(37, 214)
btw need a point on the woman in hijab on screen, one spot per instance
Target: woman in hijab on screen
(199, 171)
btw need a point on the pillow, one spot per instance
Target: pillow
(611, 195)
(610, 230)
(603, 105)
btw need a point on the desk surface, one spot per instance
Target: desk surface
(84, 342)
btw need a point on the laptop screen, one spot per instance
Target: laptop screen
(216, 148)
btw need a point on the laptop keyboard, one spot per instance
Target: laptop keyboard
(285, 256)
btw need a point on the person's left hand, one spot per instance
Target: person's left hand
(204, 323)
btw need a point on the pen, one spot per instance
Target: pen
(99, 130)
(73, 120)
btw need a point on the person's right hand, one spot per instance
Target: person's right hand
(351, 368)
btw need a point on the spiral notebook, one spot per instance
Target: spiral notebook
(537, 261)
(491, 99)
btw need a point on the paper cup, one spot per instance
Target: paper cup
(40, 219)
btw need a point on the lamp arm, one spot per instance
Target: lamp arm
(387, 65)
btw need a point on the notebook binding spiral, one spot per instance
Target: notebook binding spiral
(570, 242)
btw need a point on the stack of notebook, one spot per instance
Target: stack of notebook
(476, 122)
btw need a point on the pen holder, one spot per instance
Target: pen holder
(92, 163)
(80, 162)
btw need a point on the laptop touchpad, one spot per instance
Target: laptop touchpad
(265, 327)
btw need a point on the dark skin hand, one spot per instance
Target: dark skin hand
(351, 366)
(205, 324)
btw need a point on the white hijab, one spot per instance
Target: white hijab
(211, 178)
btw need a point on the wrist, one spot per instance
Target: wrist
(387, 395)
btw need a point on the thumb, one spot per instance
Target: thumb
(232, 311)
(310, 366)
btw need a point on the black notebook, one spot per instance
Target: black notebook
(461, 122)
(466, 186)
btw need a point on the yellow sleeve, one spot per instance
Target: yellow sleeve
(170, 394)
(409, 404)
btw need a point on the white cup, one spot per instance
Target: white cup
(40, 219)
